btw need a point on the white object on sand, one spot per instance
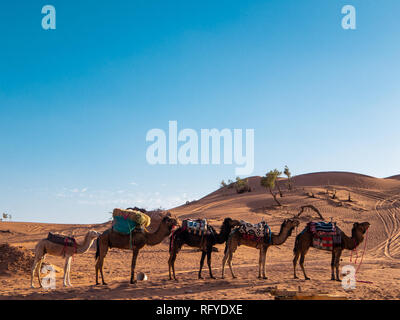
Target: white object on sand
(141, 276)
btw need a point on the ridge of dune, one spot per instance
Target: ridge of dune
(342, 178)
(396, 177)
(227, 200)
(325, 178)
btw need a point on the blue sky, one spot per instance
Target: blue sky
(76, 102)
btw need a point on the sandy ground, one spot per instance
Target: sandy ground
(374, 200)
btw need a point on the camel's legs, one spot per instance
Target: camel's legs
(230, 264)
(224, 260)
(209, 252)
(103, 249)
(65, 271)
(171, 264)
(333, 265)
(101, 271)
(260, 261)
(337, 262)
(134, 258)
(232, 246)
(34, 268)
(97, 270)
(296, 257)
(39, 271)
(264, 257)
(176, 247)
(227, 257)
(303, 254)
(69, 271)
(203, 255)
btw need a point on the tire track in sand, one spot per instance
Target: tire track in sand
(387, 209)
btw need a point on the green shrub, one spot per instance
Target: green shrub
(242, 185)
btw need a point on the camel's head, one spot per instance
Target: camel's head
(230, 223)
(92, 234)
(360, 228)
(290, 224)
(169, 221)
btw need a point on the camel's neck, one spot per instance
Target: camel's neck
(278, 239)
(85, 246)
(351, 243)
(223, 235)
(154, 238)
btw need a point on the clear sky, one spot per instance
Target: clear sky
(76, 102)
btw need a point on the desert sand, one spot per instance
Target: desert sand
(373, 199)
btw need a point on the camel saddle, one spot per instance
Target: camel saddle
(60, 239)
(258, 231)
(325, 228)
(124, 226)
(325, 235)
(196, 227)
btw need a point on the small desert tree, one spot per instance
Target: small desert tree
(269, 182)
(288, 174)
(223, 184)
(277, 183)
(242, 185)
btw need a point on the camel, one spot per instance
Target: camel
(134, 242)
(235, 239)
(204, 243)
(45, 246)
(305, 239)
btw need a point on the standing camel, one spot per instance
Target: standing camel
(205, 243)
(235, 239)
(134, 242)
(45, 246)
(305, 240)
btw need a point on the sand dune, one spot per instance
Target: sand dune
(374, 200)
(396, 177)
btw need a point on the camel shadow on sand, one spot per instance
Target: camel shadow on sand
(163, 289)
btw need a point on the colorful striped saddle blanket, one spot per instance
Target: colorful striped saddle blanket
(60, 239)
(257, 231)
(322, 228)
(197, 227)
(325, 235)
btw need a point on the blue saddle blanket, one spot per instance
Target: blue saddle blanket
(197, 227)
(122, 225)
(322, 227)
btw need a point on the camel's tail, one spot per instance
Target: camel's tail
(296, 243)
(97, 249)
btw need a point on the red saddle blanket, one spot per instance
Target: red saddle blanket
(251, 237)
(324, 243)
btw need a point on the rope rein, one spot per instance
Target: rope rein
(362, 257)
